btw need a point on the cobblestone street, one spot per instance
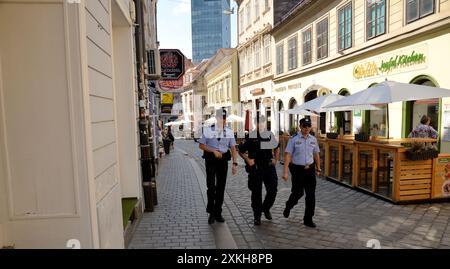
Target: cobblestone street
(345, 218)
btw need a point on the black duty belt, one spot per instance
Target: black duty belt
(305, 167)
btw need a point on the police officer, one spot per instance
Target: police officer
(219, 146)
(302, 159)
(261, 153)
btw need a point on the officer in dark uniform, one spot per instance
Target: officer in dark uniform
(261, 153)
(219, 147)
(302, 159)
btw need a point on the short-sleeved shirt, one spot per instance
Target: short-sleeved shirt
(259, 145)
(221, 140)
(302, 149)
(423, 131)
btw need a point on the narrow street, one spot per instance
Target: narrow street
(346, 218)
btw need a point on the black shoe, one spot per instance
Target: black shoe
(286, 212)
(257, 221)
(309, 224)
(268, 215)
(219, 218)
(210, 219)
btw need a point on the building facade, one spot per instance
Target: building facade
(69, 142)
(255, 50)
(210, 27)
(222, 85)
(347, 46)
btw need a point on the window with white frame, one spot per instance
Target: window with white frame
(417, 9)
(267, 49)
(249, 59)
(322, 39)
(241, 62)
(266, 4)
(249, 15)
(241, 21)
(345, 27)
(306, 45)
(376, 18)
(228, 89)
(280, 57)
(256, 9)
(257, 48)
(292, 53)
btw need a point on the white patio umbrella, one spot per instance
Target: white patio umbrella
(389, 92)
(210, 121)
(318, 103)
(348, 108)
(299, 112)
(234, 118)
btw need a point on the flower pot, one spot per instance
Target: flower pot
(332, 135)
(421, 155)
(362, 137)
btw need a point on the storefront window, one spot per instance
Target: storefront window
(429, 107)
(378, 120)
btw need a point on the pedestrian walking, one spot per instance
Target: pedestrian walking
(168, 139)
(302, 160)
(219, 147)
(260, 150)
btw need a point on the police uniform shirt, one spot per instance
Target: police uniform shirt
(302, 149)
(219, 140)
(259, 145)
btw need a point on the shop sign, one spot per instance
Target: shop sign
(394, 63)
(280, 89)
(170, 85)
(441, 180)
(167, 98)
(172, 64)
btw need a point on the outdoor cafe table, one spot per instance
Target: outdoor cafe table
(381, 167)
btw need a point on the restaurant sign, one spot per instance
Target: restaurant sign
(395, 63)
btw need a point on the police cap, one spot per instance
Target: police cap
(305, 122)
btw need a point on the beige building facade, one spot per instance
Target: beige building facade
(347, 46)
(68, 109)
(255, 50)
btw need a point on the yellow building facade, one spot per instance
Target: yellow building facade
(347, 46)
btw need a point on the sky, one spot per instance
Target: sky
(174, 25)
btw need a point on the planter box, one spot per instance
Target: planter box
(362, 137)
(332, 135)
(422, 155)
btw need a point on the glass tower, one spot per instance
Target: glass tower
(210, 27)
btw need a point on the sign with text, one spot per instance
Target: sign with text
(393, 63)
(172, 64)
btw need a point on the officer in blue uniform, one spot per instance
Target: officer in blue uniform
(303, 161)
(219, 147)
(261, 153)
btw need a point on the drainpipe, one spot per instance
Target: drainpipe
(143, 119)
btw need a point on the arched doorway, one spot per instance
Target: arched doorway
(292, 117)
(344, 118)
(281, 117)
(414, 110)
(312, 92)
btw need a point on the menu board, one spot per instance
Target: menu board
(441, 177)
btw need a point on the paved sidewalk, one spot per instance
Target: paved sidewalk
(179, 219)
(346, 218)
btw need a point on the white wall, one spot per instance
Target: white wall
(44, 172)
(126, 102)
(103, 122)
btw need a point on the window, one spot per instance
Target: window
(257, 54)
(322, 39)
(249, 59)
(306, 39)
(228, 89)
(417, 9)
(266, 4)
(241, 62)
(376, 18)
(256, 9)
(241, 21)
(292, 53)
(249, 15)
(280, 64)
(267, 49)
(345, 27)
